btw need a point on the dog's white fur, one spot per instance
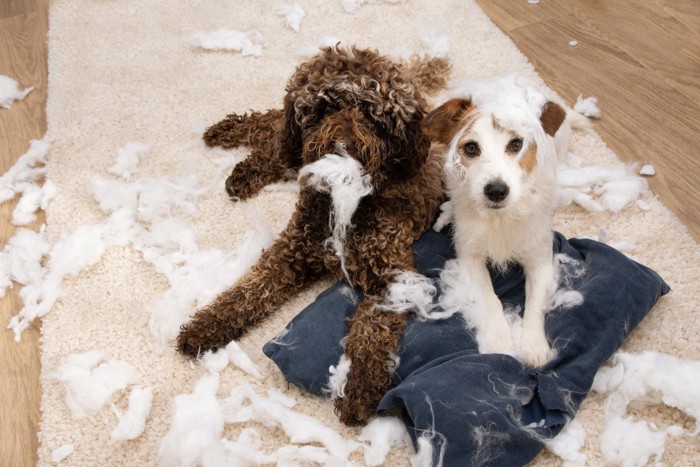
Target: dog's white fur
(518, 228)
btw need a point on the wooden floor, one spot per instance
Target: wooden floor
(640, 59)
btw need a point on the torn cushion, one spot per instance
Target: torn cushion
(484, 408)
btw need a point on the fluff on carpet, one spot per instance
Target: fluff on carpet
(139, 235)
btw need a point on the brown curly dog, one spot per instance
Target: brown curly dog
(363, 106)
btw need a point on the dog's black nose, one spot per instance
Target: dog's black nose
(496, 191)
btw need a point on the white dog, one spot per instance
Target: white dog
(501, 153)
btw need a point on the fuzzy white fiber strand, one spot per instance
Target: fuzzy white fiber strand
(90, 381)
(10, 91)
(244, 405)
(342, 177)
(410, 291)
(248, 43)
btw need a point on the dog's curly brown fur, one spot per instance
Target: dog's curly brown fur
(374, 106)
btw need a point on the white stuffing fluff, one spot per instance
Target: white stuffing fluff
(196, 426)
(342, 177)
(133, 421)
(214, 362)
(10, 91)
(351, 6)
(410, 291)
(278, 396)
(633, 444)
(382, 433)
(248, 43)
(651, 378)
(293, 14)
(244, 405)
(455, 297)
(33, 198)
(128, 158)
(239, 358)
(648, 170)
(21, 259)
(568, 443)
(533, 2)
(435, 43)
(90, 382)
(61, 453)
(338, 377)
(71, 254)
(614, 187)
(573, 43)
(588, 107)
(28, 169)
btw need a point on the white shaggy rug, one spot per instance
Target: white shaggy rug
(127, 71)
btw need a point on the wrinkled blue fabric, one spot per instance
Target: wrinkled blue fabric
(476, 408)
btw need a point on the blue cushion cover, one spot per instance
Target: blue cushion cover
(478, 406)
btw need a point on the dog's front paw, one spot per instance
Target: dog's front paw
(496, 336)
(535, 350)
(356, 407)
(204, 332)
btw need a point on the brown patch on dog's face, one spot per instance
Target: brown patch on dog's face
(529, 160)
(442, 123)
(552, 117)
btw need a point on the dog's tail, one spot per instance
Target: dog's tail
(428, 74)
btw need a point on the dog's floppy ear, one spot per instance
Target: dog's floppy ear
(442, 123)
(552, 117)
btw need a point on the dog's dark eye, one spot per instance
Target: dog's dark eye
(471, 149)
(515, 145)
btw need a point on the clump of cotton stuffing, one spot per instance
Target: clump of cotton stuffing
(10, 91)
(342, 177)
(293, 14)
(90, 380)
(128, 158)
(197, 423)
(133, 421)
(588, 107)
(568, 443)
(382, 433)
(410, 291)
(248, 43)
(631, 443)
(27, 171)
(351, 6)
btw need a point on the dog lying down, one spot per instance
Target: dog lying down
(501, 141)
(350, 130)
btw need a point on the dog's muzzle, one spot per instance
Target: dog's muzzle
(496, 191)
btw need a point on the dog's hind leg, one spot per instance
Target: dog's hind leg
(255, 130)
(372, 342)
